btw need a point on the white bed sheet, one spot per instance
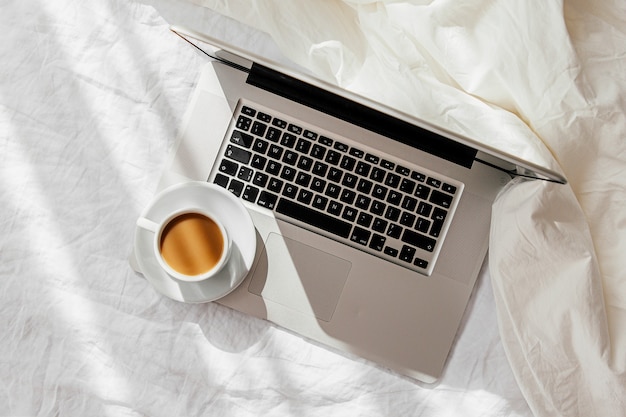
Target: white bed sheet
(91, 96)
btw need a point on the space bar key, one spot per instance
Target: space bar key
(314, 218)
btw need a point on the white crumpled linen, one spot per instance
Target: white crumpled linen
(542, 80)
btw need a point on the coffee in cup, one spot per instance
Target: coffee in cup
(190, 245)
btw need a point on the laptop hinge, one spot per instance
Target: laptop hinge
(360, 115)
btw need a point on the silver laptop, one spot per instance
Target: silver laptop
(372, 225)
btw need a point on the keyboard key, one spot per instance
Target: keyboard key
(422, 225)
(260, 179)
(439, 214)
(387, 164)
(418, 176)
(275, 152)
(391, 251)
(310, 135)
(394, 231)
(314, 218)
(407, 186)
(221, 180)
(334, 174)
(318, 152)
(392, 213)
(248, 111)
(273, 134)
(245, 174)
(347, 163)
(238, 154)
(372, 158)
(433, 182)
(347, 196)
(363, 202)
(260, 146)
(448, 188)
(303, 145)
(422, 191)
(364, 219)
(356, 152)
(294, 129)
(243, 123)
(275, 185)
(360, 236)
(403, 170)
(362, 169)
(290, 157)
(424, 209)
(250, 193)
(378, 207)
(273, 167)
(333, 157)
(264, 117)
(228, 167)
(258, 129)
(288, 140)
(342, 147)
(290, 191)
(320, 202)
(435, 229)
(267, 200)
(365, 186)
(335, 207)
(258, 162)
(393, 180)
(333, 190)
(288, 173)
(379, 192)
(418, 240)
(407, 219)
(279, 123)
(303, 179)
(325, 141)
(318, 184)
(349, 180)
(377, 174)
(320, 169)
(420, 263)
(380, 225)
(441, 199)
(377, 242)
(409, 203)
(349, 213)
(241, 139)
(407, 254)
(236, 187)
(305, 196)
(394, 197)
(305, 163)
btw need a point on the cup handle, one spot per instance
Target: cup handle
(147, 224)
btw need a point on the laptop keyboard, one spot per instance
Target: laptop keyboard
(342, 190)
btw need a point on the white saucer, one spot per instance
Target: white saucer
(236, 220)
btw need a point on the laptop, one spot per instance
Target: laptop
(372, 225)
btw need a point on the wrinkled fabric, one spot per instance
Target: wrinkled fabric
(91, 97)
(542, 80)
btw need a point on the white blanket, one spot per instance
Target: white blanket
(512, 74)
(91, 96)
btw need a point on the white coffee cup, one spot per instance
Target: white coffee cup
(190, 244)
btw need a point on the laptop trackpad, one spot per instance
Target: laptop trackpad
(299, 276)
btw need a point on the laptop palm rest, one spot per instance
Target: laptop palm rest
(299, 276)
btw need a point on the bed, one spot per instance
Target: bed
(91, 96)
